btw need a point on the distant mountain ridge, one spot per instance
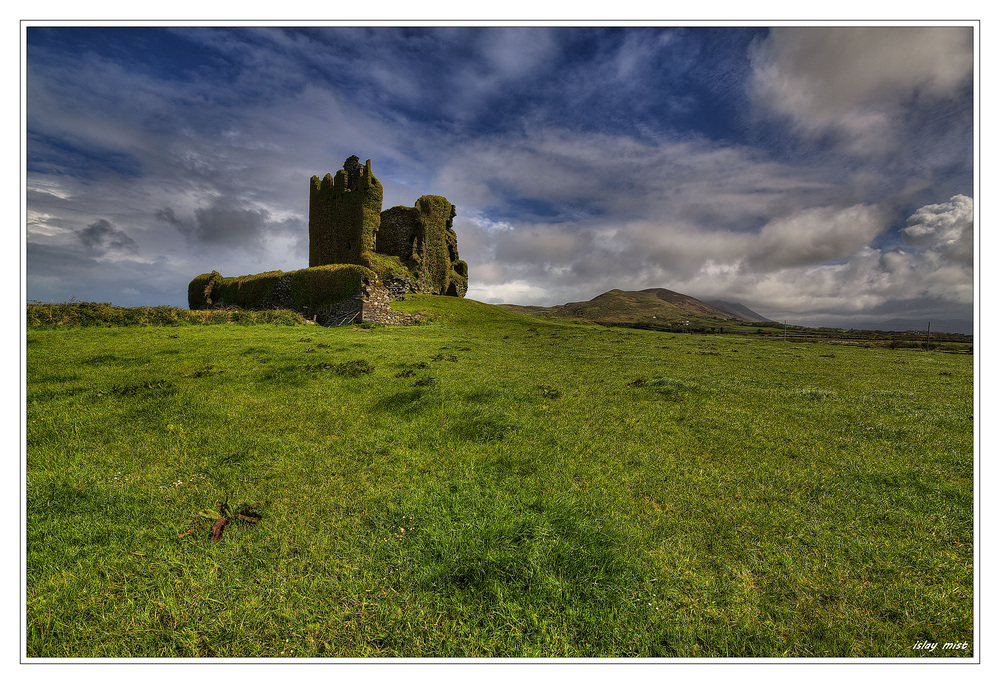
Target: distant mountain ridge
(739, 311)
(661, 309)
(950, 325)
(652, 307)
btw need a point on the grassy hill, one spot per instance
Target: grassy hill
(653, 308)
(492, 484)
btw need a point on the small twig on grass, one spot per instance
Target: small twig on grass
(225, 515)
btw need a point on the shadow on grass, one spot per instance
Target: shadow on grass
(405, 404)
(484, 428)
(490, 558)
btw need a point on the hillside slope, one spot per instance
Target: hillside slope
(654, 307)
(739, 311)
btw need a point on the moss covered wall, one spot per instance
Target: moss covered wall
(344, 215)
(308, 289)
(347, 226)
(397, 231)
(333, 294)
(431, 244)
(423, 238)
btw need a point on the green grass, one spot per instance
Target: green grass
(491, 484)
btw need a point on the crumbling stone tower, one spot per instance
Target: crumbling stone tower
(347, 226)
(423, 238)
(344, 215)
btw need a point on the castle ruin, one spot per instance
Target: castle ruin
(360, 257)
(347, 226)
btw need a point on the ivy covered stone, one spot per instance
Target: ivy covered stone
(423, 238)
(347, 226)
(344, 215)
(360, 257)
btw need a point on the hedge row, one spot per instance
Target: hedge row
(103, 314)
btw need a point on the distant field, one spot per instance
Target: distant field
(493, 484)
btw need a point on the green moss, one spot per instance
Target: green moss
(200, 290)
(435, 243)
(343, 221)
(248, 291)
(313, 288)
(385, 265)
(346, 227)
(458, 279)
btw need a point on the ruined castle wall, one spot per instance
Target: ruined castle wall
(422, 237)
(360, 258)
(436, 249)
(307, 289)
(334, 294)
(321, 221)
(396, 232)
(344, 215)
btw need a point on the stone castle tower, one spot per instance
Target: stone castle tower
(344, 215)
(347, 226)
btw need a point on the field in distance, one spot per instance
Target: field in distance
(493, 484)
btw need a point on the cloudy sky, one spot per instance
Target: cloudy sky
(820, 175)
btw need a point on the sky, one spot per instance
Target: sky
(819, 175)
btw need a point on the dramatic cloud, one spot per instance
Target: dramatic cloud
(103, 236)
(226, 221)
(809, 173)
(859, 84)
(943, 229)
(815, 236)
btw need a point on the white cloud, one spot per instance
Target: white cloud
(591, 175)
(818, 261)
(510, 292)
(817, 235)
(945, 228)
(856, 82)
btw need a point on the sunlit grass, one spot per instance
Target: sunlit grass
(494, 485)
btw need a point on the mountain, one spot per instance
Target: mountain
(739, 311)
(654, 307)
(688, 304)
(661, 309)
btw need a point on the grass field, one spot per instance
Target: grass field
(491, 484)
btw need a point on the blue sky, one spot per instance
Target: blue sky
(820, 175)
